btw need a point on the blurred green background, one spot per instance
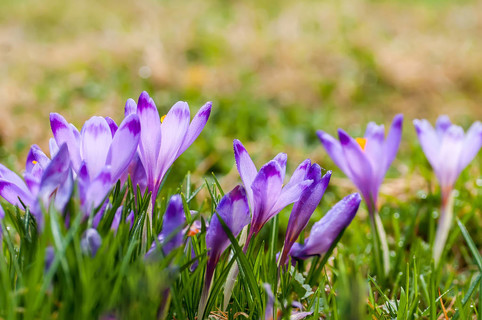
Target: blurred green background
(276, 72)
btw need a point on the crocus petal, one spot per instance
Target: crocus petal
(282, 158)
(112, 125)
(393, 141)
(471, 146)
(174, 129)
(117, 218)
(9, 175)
(64, 193)
(300, 173)
(95, 143)
(325, 231)
(124, 146)
(33, 181)
(54, 175)
(450, 152)
(64, 133)
(172, 222)
(130, 107)
(233, 209)
(49, 257)
(137, 174)
(300, 315)
(288, 195)
(246, 168)
(90, 242)
(196, 126)
(53, 147)
(266, 191)
(150, 142)
(429, 141)
(358, 165)
(375, 153)
(442, 124)
(96, 191)
(11, 192)
(36, 156)
(305, 206)
(334, 150)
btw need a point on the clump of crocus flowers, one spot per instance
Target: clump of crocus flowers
(84, 166)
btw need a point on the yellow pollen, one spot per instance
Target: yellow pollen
(162, 118)
(34, 161)
(362, 142)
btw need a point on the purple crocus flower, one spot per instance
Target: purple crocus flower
(265, 191)
(449, 151)
(100, 144)
(234, 211)
(365, 160)
(164, 139)
(325, 231)
(304, 208)
(100, 153)
(173, 220)
(43, 178)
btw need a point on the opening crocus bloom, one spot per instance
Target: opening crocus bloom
(265, 191)
(365, 160)
(447, 148)
(100, 153)
(449, 151)
(325, 231)
(161, 143)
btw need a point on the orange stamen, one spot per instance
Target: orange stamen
(193, 231)
(162, 118)
(34, 161)
(362, 142)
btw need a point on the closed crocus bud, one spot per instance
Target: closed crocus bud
(325, 231)
(90, 242)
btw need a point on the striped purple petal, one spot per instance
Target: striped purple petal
(65, 133)
(124, 146)
(173, 129)
(246, 168)
(95, 142)
(150, 141)
(325, 231)
(196, 126)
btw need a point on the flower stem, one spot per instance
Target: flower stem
(380, 244)
(444, 224)
(382, 236)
